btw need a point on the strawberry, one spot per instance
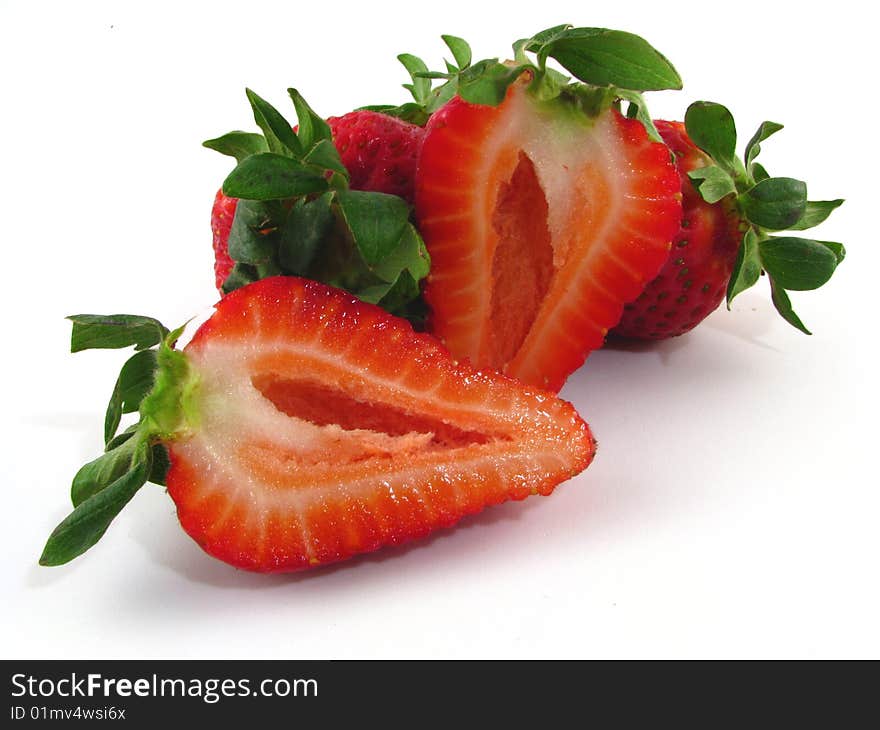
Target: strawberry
(304, 426)
(693, 281)
(378, 151)
(295, 211)
(544, 209)
(222, 215)
(731, 208)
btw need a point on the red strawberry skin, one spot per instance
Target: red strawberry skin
(221, 223)
(322, 427)
(693, 281)
(379, 152)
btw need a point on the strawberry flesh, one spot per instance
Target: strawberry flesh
(323, 427)
(542, 222)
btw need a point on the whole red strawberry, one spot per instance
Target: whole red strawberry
(693, 281)
(734, 214)
(379, 153)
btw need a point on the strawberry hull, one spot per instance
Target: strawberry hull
(378, 151)
(322, 427)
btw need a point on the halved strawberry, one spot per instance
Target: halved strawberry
(543, 217)
(305, 426)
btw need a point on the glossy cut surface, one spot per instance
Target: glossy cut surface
(541, 222)
(325, 427)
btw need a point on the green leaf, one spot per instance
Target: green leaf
(637, 109)
(134, 382)
(312, 128)
(776, 203)
(815, 212)
(797, 264)
(303, 232)
(103, 471)
(238, 144)
(409, 112)
(121, 438)
(460, 49)
(712, 182)
(83, 527)
(270, 176)
(400, 300)
(712, 129)
(251, 237)
(325, 156)
(376, 221)
(398, 274)
(161, 465)
(783, 306)
(440, 96)
(136, 379)
(279, 134)
(373, 293)
(836, 248)
(114, 331)
(420, 87)
(747, 269)
(605, 57)
(758, 172)
(435, 75)
(241, 275)
(409, 255)
(540, 39)
(487, 81)
(113, 415)
(753, 148)
(268, 268)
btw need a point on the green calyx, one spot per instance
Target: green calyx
(767, 205)
(160, 385)
(297, 216)
(168, 410)
(604, 64)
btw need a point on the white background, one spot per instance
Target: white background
(732, 510)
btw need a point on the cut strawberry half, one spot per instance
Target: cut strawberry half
(542, 220)
(305, 426)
